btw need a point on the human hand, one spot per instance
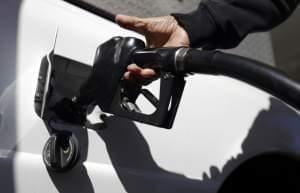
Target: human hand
(159, 32)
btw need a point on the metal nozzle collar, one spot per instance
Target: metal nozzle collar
(179, 59)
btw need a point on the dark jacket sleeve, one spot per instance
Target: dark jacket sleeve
(225, 23)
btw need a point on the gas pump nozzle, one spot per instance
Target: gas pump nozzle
(107, 88)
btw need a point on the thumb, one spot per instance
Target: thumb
(132, 23)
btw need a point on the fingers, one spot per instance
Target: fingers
(133, 68)
(138, 74)
(132, 23)
(142, 73)
(133, 72)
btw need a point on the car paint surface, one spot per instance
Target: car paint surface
(220, 123)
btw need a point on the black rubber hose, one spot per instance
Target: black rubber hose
(250, 71)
